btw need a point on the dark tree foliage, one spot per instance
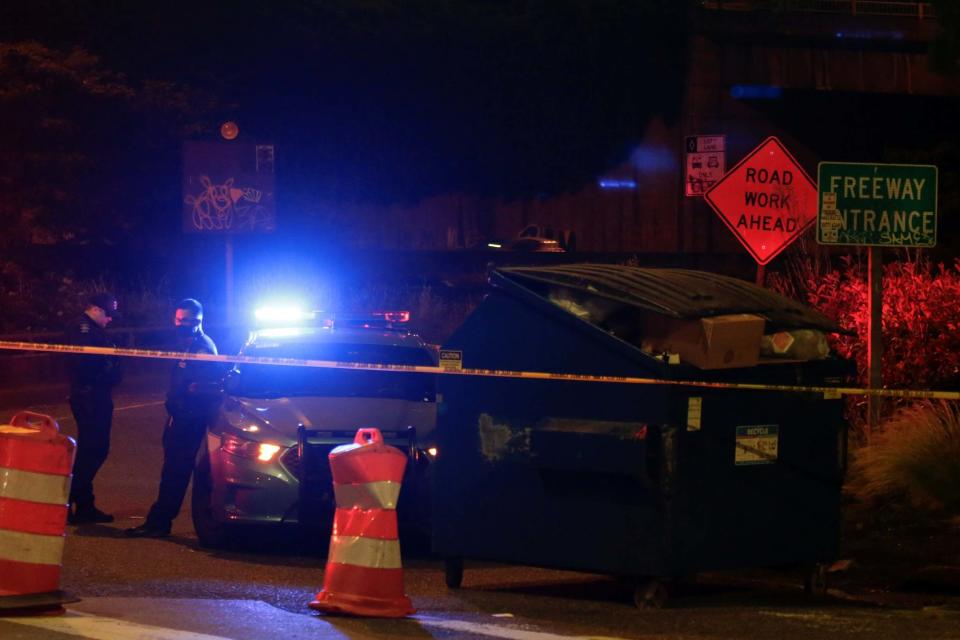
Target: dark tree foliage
(399, 99)
(84, 148)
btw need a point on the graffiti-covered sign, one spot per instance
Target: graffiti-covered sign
(883, 205)
(228, 188)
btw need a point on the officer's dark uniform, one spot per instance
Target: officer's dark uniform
(191, 402)
(91, 380)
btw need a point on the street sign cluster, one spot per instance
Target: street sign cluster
(767, 200)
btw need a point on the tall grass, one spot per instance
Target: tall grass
(915, 457)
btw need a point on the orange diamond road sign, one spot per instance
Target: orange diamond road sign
(767, 200)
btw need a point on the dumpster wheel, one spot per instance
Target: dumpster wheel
(815, 580)
(453, 572)
(651, 594)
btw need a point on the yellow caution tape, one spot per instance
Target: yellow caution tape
(828, 392)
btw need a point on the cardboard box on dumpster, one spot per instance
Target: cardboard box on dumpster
(720, 342)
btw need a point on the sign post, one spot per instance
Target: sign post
(874, 335)
(767, 200)
(876, 205)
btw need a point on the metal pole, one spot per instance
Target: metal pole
(761, 274)
(874, 336)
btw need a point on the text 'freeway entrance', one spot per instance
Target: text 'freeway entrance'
(885, 205)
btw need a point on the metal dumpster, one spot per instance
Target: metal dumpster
(651, 482)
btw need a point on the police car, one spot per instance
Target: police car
(264, 458)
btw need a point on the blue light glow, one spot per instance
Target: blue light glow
(282, 332)
(283, 315)
(650, 158)
(869, 35)
(607, 183)
(755, 92)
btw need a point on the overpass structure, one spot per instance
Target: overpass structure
(834, 80)
(841, 80)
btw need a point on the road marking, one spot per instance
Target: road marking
(115, 409)
(94, 627)
(497, 631)
(139, 406)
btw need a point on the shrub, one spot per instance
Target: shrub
(921, 318)
(916, 457)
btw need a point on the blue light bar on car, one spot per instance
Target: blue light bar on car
(373, 320)
(286, 316)
(282, 332)
(392, 316)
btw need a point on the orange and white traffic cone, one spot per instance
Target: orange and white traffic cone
(36, 462)
(364, 575)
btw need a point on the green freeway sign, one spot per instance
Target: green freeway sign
(884, 205)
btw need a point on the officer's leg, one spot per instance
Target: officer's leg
(99, 436)
(181, 438)
(85, 463)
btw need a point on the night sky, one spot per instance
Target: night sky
(391, 100)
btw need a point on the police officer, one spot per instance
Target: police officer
(191, 402)
(92, 377)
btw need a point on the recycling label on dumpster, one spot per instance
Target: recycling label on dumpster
(757, 444)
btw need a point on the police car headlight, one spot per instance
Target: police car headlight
(248, 448)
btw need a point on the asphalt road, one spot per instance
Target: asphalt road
(171, 589)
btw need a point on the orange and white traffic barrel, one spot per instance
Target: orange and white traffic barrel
(364, 575)
(36, 462)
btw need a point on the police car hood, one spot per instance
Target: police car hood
(279, 418)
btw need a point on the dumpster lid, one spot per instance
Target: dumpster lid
(677, 293)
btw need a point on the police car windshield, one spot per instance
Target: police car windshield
(266, 381)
